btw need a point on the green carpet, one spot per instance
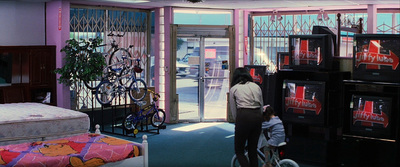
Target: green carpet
(190, 144)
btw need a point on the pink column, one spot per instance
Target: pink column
(57, 32)
(168, 19)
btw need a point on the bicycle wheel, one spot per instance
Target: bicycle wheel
(260, 157)
(130, 122)
(137, 90)
(288, 163)
(105, 92)
(234, 161)
(158, 118)
(116, 60)
(92, 85)
(107, 74)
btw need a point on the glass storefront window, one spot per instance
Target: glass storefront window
(203, 16)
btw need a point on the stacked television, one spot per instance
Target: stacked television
(304, 92)
(371, 102)
(373, 95)
(311, 85)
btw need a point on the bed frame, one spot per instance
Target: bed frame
(135, 161)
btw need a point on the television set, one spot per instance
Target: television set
(376, 57)
(327, 30)
(257, 72)
(311, 52)
(304, 102)
(283, 61)
(371, 116)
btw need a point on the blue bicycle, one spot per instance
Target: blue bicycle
(156, 115)
(109, 88)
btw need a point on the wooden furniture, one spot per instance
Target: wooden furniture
(32, 70)
(14, 94)
(357, 29)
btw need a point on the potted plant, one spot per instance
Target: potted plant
(83, 63)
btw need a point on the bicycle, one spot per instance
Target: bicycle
(157, 115)
(114, 61)
(108, 89)
(275, 158)
(118, 53)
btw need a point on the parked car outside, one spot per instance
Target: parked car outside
(182, 70)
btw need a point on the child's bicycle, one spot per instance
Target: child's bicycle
(156, 115)
(274, 158)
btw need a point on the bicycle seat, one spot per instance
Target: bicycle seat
(141, 103)
(281, 144)
(116, 69)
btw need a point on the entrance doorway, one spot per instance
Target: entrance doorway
(202, 76)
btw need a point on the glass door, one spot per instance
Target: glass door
(202, 78)
(187, 78)
(216, 78)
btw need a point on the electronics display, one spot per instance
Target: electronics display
(283, 61)
(311, 52)
(326, 30)
(257, 72)
(371, 116)
(376, 57)
(304, 102)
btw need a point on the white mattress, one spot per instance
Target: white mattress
(26, 122)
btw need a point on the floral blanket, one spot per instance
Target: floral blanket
(81, 150)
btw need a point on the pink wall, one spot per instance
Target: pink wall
(57, 32)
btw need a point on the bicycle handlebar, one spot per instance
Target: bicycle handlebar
(135, 59)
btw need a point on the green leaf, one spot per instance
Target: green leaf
(82, 61)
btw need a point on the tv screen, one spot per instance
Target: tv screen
(371, 116)
(310, 52)
(257, 72)
(283, 61)
(304, 102)
(376, 57)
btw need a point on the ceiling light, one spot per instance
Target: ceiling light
(319, 17)
(194, 1)
(279, 17)
(273, 18)
(321, 12)
(326, 17)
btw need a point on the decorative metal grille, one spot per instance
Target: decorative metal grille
(388, 23)
(270, 37)
(89, 22)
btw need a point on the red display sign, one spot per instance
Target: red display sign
(299, 104)
(374, 59)
(256, 77)
(367, 117)
(304, 55)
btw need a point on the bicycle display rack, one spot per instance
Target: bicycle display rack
(144, 127)
(111, 119)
